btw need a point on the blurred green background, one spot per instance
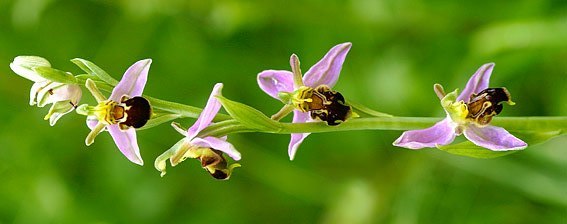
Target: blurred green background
(400, 49)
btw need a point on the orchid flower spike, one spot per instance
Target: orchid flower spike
(122, 112)
(469, 113)
(209, 150)
(310, 97)
(63, 97)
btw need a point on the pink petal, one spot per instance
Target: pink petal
(327, 70)
(126, 142)
(478, 82)
(133, 82)
(442, 133)
(274, 81)
(217, 144)
(493, 138)
(208, 114)
(297, 138)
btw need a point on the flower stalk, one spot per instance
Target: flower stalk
(543, 124)
(310, 97)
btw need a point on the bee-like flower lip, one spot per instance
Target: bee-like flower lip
(138, 112)
(333, 109)
(220, 175)
(215, 163)
(494, 95)
(487, 104)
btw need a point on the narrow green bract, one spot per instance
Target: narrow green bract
(249, 116)
(55, 75)
(93, 69)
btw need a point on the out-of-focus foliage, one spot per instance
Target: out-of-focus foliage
(400, 49)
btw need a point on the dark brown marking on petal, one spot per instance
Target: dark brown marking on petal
(487, 104)
(208, 160)
(215, 163)
(333, 109)
(220, 175)
(211, 158)
(138, 112)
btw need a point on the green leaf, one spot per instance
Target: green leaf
(93, 69)
(469, 149)
(248, 116)
(55, 75)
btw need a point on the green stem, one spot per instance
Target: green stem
(395, 123)
(375, 123)
(549, 123)
(227, 125)
(409, 123)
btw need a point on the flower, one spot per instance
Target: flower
(63, 97)
(208, 150)
(310, 93)
(122, 112)
(469, 113)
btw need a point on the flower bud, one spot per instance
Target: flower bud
(24, 66)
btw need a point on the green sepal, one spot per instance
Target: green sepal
(161, 161)
(469, 149)
(93, 69)
(55, 75)
(249, 116)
